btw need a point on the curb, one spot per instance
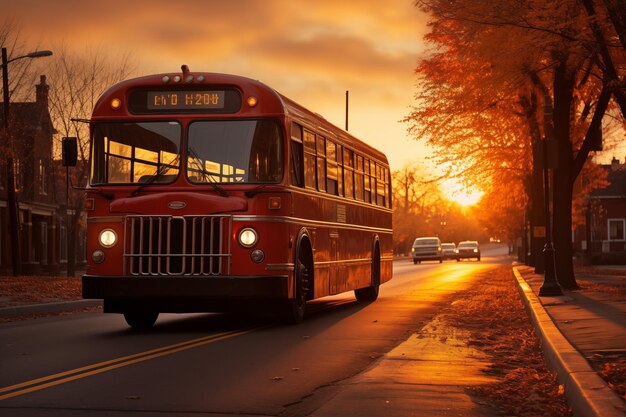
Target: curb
(587, 394)
(47, 308)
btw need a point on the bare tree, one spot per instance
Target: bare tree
(77, 81)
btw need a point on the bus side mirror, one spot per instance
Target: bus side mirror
(69, 151)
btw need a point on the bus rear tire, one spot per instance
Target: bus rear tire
(370, 293)
(141, 320)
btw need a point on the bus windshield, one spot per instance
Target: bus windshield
(227, 151)
(128, 153)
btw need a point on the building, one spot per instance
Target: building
(41, 216)
(604, 238)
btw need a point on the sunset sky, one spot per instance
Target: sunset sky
(310, 51)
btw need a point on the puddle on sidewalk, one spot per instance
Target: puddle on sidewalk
(437, 355)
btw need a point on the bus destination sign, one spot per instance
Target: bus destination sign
(185, 100)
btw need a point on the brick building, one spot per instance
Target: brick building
(41, 217)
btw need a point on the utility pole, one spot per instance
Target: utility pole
(14, 228)
(347, 94)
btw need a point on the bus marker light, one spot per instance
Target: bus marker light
(252, 101)
(116, 103)
(90, 204)
(257, 256)
(247, 237)
(176, 78)
(165, 79)
(98, 256)
(274, 203)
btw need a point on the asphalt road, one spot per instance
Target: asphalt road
(92, 364)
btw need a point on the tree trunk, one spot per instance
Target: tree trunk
(564, 81)
(537, 219)
(534, 190)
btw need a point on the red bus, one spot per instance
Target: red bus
(208, 190)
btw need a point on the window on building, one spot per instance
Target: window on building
(617, 229)
(43, 178)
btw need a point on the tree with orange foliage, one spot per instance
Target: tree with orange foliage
(504, 76)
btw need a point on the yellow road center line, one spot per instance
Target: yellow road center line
(67, 376)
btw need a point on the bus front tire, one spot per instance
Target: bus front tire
(141, 320)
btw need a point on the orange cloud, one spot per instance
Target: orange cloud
(309, 51)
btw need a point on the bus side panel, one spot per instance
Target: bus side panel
(386, 257)
(343, 246)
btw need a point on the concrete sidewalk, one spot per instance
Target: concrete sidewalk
(574, 327)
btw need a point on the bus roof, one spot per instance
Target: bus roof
(270, 102)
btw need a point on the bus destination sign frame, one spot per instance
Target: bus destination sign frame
(186, 100)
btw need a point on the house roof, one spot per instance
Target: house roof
(617, 184)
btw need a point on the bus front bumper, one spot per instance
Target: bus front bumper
(182, 293)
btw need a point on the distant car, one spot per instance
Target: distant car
(448, 250)
(427, 249)
(468, 250)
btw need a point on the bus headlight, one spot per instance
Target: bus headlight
(248, 237)
(107, 238)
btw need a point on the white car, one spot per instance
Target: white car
(427, 249)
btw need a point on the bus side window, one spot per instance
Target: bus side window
(348, 172)
(368, 182)
(295, 164)
(358, 178)
(331, 168)
(380, 186)
(321, 163)
(339, 170)
(309, 159)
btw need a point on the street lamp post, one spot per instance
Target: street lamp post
(11, 200)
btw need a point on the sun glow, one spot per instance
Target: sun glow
(456, 192)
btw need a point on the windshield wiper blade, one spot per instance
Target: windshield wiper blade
(149, 181)
(157, 175)
(207, 175)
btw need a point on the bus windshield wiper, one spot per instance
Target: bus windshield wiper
(206, 175)
(157, 175)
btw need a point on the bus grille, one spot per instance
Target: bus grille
(177, 245)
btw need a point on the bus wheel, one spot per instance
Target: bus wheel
(294, 310)
(141, 320)
(371, 293)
